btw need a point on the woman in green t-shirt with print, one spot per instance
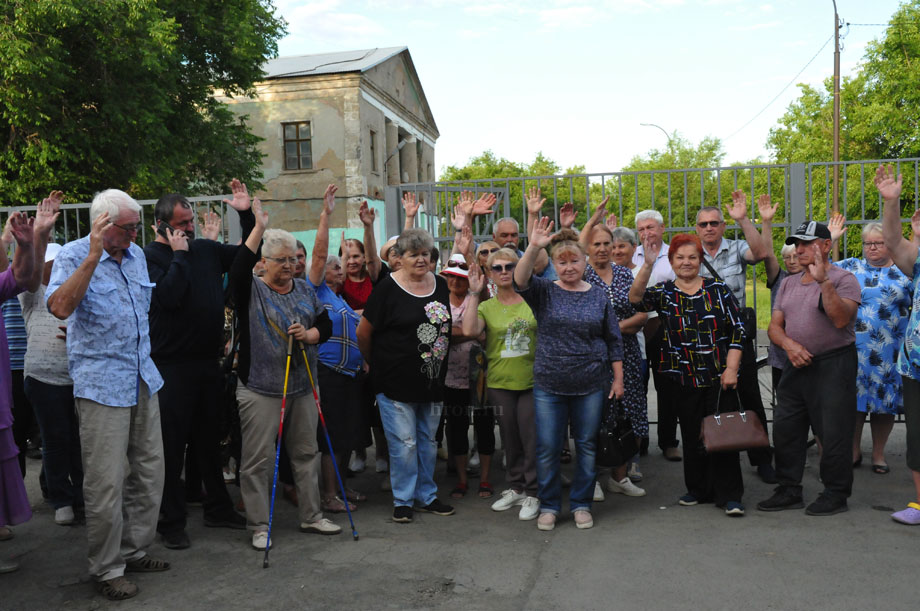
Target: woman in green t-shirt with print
(511, 337)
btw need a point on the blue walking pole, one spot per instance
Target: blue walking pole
(335, 462)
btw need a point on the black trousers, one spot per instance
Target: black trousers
(457, 414)
(189, 404)
(23, 417)
(823, 396)
(665, 391)
(709, 477)
(749, 391)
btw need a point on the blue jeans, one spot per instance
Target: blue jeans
(57, 420)
(410, 429)
(553, 413)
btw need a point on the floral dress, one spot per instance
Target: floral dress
(634, 398)
(881, 322)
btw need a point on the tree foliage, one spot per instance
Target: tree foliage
(119, 93)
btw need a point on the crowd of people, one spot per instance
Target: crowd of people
(126, 360)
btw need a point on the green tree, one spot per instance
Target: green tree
(119, 93)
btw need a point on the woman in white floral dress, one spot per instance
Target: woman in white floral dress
(404, 335)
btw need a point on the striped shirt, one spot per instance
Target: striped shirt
(15, 333)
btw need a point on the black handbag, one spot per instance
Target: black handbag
(616, 442)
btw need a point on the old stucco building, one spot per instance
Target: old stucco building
(358, 119)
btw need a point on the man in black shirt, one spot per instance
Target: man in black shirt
(186, 334)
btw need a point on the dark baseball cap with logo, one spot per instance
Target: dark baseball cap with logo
(809, 231)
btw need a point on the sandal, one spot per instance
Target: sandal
(355, 496)
(485, 490)
(459, 490)
(881, 469)
(146, 564)
(336, 505)
(117, 588)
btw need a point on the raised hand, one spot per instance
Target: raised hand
(818, 269)
(542, 232)
(888, 187)
(651, 250)
(766, 208)
(210, 225)
(598, 216)
(567, 215)
(484, 204)
(458, 218)
(261, 215)
(612, 222)
(915, 222)
(49, 209)
(535, 201)
(738, 210)
(329, 199)
(241, 200)
(22, 228)
(465, 240)
(410, 204)
(100, 226)
(836, 225)
(366, 214)
(476, 279)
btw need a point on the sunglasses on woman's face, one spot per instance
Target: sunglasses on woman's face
(487, 251)
(462, 266)
(507, 267)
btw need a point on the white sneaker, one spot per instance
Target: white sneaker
(356, 464)
(64, 515)
(598, 493)
(509, 499)
(474, 460)
(382, 466)
(323, 526)
(546, 521)
(624, 486)
(260, 540)
(530, 509)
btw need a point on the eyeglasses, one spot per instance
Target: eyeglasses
(283, 260)
(488, 251)
(462, 266)
(875, 245)
(131, 228)
(705, 224)
(507, 267)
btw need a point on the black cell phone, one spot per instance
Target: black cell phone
(161, 229)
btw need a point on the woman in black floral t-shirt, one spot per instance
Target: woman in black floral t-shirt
(703, 333)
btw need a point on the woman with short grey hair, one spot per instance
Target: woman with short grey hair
(404, 334)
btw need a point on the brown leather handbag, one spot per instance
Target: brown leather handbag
(732, 431)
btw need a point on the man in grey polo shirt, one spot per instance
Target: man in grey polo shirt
(730, 258)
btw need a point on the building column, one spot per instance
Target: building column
(392, 141)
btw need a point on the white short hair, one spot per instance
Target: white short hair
(871, 228)
(276, 240)
(114, 202)
(788, 249)
(649, 214)
(506, 219)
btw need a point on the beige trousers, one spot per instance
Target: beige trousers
(259, 416)
(123, 480)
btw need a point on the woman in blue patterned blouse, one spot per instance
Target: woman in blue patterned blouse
(703, 333)
(880, 325)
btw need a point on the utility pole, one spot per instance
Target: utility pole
(834, 203)
(663, 131)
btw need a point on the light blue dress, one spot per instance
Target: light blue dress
(881, 322)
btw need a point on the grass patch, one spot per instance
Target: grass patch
(762, 301)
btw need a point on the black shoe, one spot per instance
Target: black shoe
(437, 507)
(782, 499)
(402, 514)
(231, 519)
(176, 540)
(826, 505)
(767, 473)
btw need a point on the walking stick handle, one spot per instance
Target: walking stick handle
(290, 344)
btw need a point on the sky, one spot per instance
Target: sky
(575, 79)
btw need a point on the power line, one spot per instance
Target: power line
(789, 84)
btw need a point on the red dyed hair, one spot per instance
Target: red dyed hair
(682, 239)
